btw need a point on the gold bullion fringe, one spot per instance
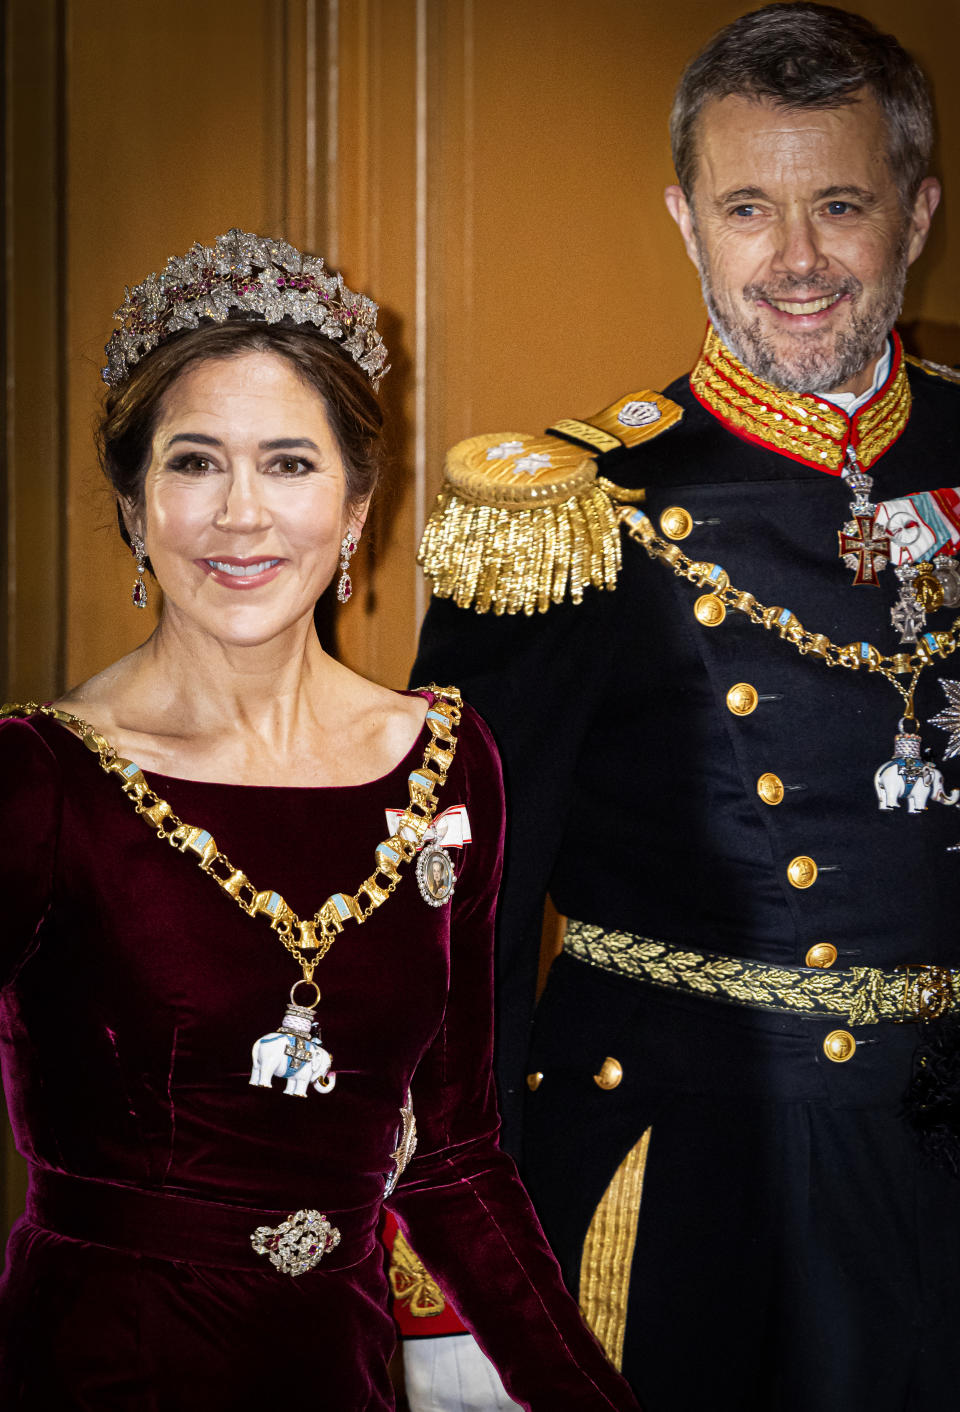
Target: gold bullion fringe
(608, 1253)
(518, 559)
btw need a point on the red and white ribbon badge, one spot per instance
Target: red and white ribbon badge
(451, 829)
(921, 526)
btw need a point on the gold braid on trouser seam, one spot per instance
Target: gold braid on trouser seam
(607, 1259)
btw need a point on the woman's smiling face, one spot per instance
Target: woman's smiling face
(244, 498)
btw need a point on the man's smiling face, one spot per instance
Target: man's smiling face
(801, 238)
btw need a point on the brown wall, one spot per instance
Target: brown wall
(490, 170)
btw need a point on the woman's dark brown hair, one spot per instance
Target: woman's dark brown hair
(125, 432)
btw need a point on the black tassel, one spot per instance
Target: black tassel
(931, 1103)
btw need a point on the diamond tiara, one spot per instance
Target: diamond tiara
(253, 274)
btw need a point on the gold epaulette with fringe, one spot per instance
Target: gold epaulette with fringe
(935, 370)
(524, 521)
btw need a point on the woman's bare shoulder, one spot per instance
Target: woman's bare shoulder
(98, 700)
(392, 720)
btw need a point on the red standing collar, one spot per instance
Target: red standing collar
(800, 425)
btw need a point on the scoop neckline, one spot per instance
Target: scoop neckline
(402, 764)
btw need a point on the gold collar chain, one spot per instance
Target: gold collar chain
(307, 940)
(711, 609)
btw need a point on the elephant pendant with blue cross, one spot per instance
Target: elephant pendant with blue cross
(294, 1052)
(909, 778)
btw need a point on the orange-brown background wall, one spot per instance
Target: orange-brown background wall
(490, 170)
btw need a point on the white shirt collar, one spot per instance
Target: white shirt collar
(849, 402)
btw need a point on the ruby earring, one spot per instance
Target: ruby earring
(139, 587)
(348, 548)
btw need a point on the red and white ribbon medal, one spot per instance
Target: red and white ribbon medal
(436, 876)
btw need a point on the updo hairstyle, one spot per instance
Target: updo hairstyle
(130, 412)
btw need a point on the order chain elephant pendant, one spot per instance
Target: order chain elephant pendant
(909, 777)
(294, 1052)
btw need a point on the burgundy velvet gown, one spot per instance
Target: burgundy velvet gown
(133, 990)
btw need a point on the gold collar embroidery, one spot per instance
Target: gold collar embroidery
(798, 424)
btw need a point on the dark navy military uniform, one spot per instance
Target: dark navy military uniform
(793, 1252)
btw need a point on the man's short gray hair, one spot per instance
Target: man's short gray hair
(809, 56)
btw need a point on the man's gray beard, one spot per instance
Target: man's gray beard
(813, 369)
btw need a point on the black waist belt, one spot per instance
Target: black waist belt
(171, 1227)
(862, 995)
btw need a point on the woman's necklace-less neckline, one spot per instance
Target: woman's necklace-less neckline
(302, 1060)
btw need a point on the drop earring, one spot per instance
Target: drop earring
(348, 548)
(139, 587)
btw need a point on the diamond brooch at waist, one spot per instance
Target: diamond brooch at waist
(298, 1244)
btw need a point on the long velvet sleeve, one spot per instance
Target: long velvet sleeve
(30, 809)
(526, 678)
(460, 1200)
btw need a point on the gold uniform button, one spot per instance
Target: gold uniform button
(802, 871)
(534, 1081)
(611, 1072)
(676, 522)
(770, 788)
(709, 610)
(742, 699)
(822, 955)
(839, 1046)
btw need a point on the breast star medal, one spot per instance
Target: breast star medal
(949, 718)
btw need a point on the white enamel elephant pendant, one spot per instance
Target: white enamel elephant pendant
(294, 1052)
(908, 777)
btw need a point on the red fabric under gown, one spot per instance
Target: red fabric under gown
(133, 991)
